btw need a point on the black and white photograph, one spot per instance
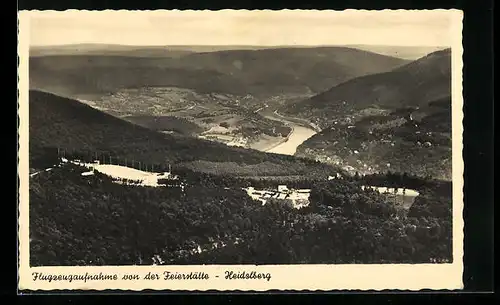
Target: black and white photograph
(239, 138)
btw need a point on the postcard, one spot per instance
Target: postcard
(240, 150)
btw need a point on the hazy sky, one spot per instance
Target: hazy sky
(266, 28)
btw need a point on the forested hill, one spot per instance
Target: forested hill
(257, 72)
(77, 221)
(419, 144)
(412, 85)
(398, 121)
(57, 122)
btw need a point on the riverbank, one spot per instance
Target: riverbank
(296, 137)
(300, 132)
(280, 142)
(298, 121)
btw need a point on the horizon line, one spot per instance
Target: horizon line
(249, 45)
(240, 45)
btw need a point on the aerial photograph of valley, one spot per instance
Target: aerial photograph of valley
(150, 145)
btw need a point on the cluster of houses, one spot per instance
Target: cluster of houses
(238, 141)
(299, 198)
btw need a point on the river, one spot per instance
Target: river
(297, 136)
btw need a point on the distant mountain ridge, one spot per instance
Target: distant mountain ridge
(133, 50)
(105, 50)
(86, 75)
(403, 52)
(263, 72)
(412, 85)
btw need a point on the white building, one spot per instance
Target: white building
(282, 188)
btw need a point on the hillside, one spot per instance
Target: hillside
(397, 121)
(295, 69)
(80, 220)
(412, 85)
(57, 122)
(262, 72)
(87, 75)
(166, 124)
(416, 142)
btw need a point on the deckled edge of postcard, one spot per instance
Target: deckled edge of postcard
(282, 277)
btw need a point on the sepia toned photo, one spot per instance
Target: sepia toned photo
(240, 150)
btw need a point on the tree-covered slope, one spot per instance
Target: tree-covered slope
(412, 85)
(89, 220)
(57, 122)
(257, 72)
